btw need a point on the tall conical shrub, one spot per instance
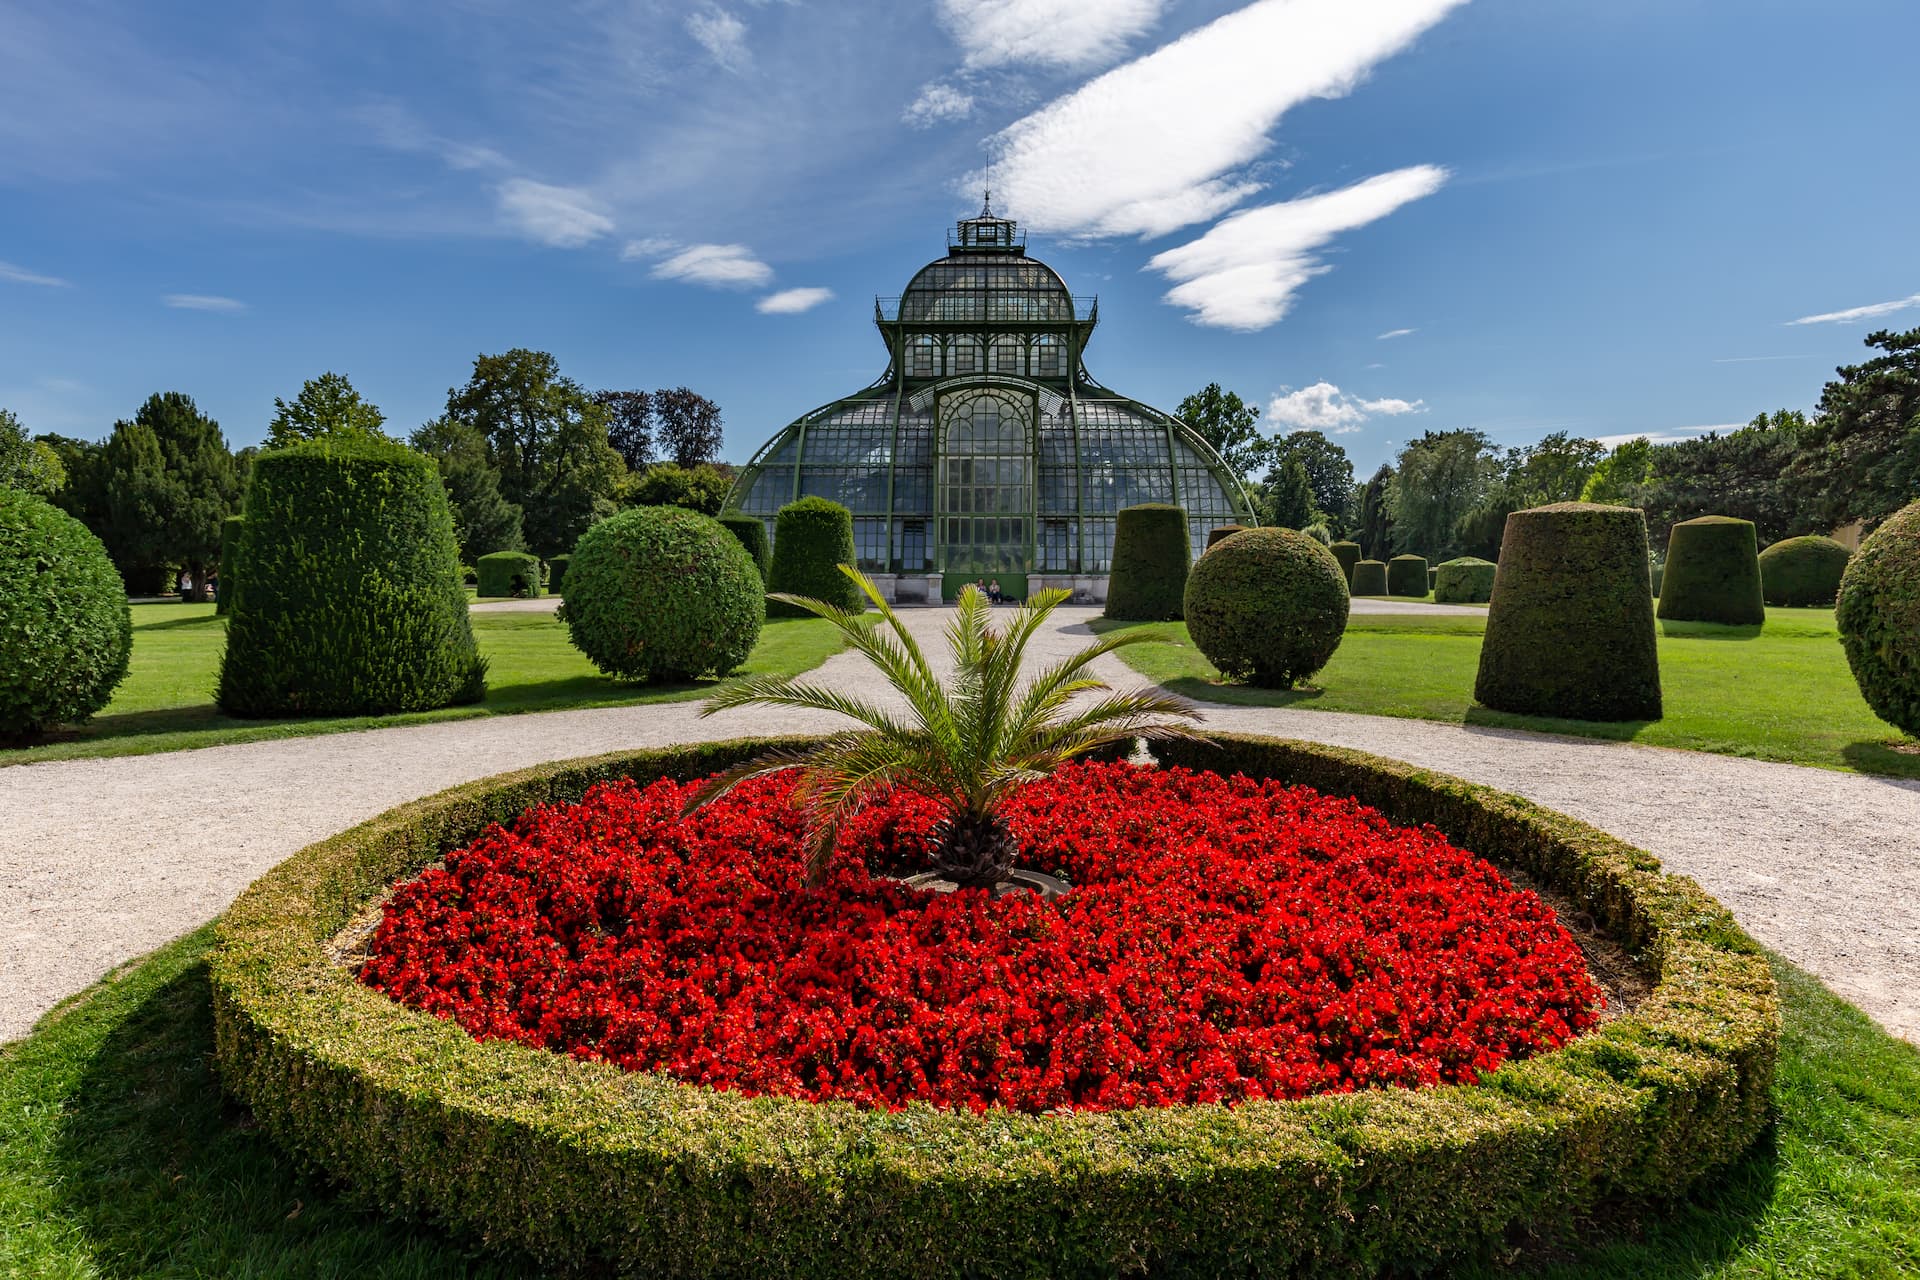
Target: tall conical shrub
(1370, 578)
(812, 538)
(1348, 554)
(1407, 576)
(1713, 573)
(751, 531)
(1151, 555)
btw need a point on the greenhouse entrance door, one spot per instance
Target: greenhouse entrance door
(985, 496)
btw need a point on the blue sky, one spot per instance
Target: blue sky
(1595, 218)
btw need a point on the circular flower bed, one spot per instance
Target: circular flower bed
(1227, 939)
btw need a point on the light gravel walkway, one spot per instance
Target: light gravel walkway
(100, 863)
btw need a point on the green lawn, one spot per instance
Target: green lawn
(166, 701)
(118, 1157)
(1779, 692)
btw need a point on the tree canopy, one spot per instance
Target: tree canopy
(1329, 474)
(1231, 426)
(327, 405)
(1437, 479)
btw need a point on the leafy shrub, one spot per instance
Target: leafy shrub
(1879, 616)
(1465, 580)
(1798, 572)
(1570, 630)
(1268, 607)
(349, 600)
(752, 533)
(509, 573)
(469, 575)
(65, 629)
(1151, 555)
(1221, 532)
(1407, 576)
(1713, 573)
(1348, 554)
(1370, 578)
(812, 538)
(557, 574)
(662, 593)
(229, 561)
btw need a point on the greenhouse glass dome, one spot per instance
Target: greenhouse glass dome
(986, 450)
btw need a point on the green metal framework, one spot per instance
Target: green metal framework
(986, 447)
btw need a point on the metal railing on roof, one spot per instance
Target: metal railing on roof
(989, 307)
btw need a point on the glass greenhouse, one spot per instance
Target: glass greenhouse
(986, 449)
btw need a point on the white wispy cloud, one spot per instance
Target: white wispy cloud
(397, 128)
(791, 302)
(1242, 274)
(1075, 34)
(1159, 143)
(1668, 435)
(1325, 407)
(564, 217)
(722, 35)
(1394, 333)
(726, 266)
(20, 275)
(203, 302)
(937, 104)
(1867, 312)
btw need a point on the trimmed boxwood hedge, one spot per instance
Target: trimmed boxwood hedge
(1348, 554)
(1407, 576)
(581, 1166)
(1713, 573)
(1464, 580)
(229, 562)
(812, 538)
(509, 574)
(1151, 556)
(557, 574)
(1269, 607)
(1879, 617)
(1221, 532)
(752, 533)
(65, 628)
(1370, 578)
(1799, 572)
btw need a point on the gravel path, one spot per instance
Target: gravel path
(100, 861)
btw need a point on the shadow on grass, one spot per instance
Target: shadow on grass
(175, 624)
(1593, 731)
(1709, 630)
(1899, 761)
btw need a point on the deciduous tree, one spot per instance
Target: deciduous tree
(327, 405)
(687, 425)
(1231, 426)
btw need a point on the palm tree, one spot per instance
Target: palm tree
(967, 745)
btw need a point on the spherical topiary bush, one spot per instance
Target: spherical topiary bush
(662, 593)
(1348, 554)
(509, 574)
(1370, 578)
(348, 600)
(1464, 580)
(1150, 559)
(1879, 616)
(1798, 572)
(1267, 606)
(1570, 630)
(1713, 573)
(812, 538)
(65, 630)
(229, 561)
(1407, 576)
(1221, 532)
(752, 533)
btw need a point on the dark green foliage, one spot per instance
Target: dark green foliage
(1861, 460)
(1220, 533)
(1466, 580)
(1798, 572)
(1879, 617)
(1375, 534)
(812, 538)
(1150, 559)
(701, 488)
(509, 573)
(170, 482)
(752, 533)
(1329, 471)
(327, 405)
(1230, 425)
(1268, 606)
(1370, 578)
(1407, 576)
(1713, 573)
(229, 561)
(556, 573)
(1570, 630)
(65, 631)
(1433, 576)
(1348, 554)
(1289, 496)
(348, 600)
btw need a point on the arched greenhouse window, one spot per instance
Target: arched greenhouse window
(986, 483)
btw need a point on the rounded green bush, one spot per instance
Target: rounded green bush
(1267, 606)
(1221, 532)
(1713, 573)
(1370, 578)
(1348, 554)
(1151, 555)
(812, 538)
(65, 629)
(1798, 572)
(557, 574)
(229, 561)
(662, 593)
(752, 533)
(1464, 580)
(506, 574)
(349, 599)
(1570, 630)
(1879, 617)
(1407, 576)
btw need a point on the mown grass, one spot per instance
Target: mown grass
(119, 1157)
(1778, 692)
(166, 701)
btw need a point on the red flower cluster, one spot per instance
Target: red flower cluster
(1225, 939)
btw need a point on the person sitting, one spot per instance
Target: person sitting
(994, 594)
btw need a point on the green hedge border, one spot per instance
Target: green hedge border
(574, 1163)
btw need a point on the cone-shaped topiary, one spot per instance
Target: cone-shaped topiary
(752, 533)
(1268, 606)
(662, 593)
(1466, 580)
(1570, 630)
(506, 574)
(1150, 560)
(1348, 554)
(1221, 532)
(1407, 576)
(1798, 572)
(1879, 616)
(1370, 578)
(1713, 573)
(229, 561)
(812, 538)
(65, 630)
(349, 599)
